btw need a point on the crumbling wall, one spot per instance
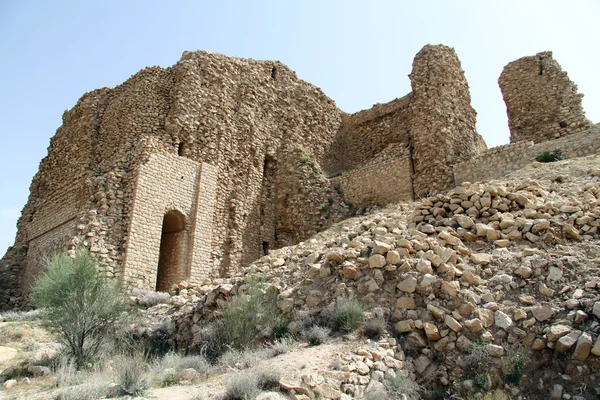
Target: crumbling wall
(541, 101)
(363, 135)
(501, 160)
(442, 119)
(386, 179)
(266, 138)
(229, 113)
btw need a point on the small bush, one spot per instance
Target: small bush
(547, 156)
(76, 384)
(132, 373)
(243, 386)
(245, 315)
(31, 315)
(304, 159)
(268, 380)
(149, 298)
(282, 345)
(169, 370)
(374, 329)
(317, 335)
(516, 369)
(159, 342)
(402, 385)
(346, 315)
(82, 305)
(242, 359)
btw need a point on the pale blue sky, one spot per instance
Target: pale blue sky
(358, 52)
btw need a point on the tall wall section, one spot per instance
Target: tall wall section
(442, 120)
(541, 101)
(433, 126)
(253, 121)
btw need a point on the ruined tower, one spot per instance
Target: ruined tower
(542, 103)
(192, 171)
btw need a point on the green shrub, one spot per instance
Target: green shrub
(547, 156)
(82, 305)
(304, 158)
(516, 369)
(346, 315)
(316, 335)
(374, 329)
(282, 345)
(247, 314)
(169, 370)
(31, 315)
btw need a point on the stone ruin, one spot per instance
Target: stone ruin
(541, 101)
(189, 172)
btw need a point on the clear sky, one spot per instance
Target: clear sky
(358, 52)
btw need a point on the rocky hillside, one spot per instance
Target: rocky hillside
(491, 290)
(491, 285)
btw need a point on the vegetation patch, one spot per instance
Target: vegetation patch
(548, 156)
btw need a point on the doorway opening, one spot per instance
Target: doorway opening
(170, 260)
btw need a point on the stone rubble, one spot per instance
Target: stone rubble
(449, 287)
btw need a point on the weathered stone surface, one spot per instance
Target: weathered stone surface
(481, 258)
(431, 331)
(503, 321)
(567, 341)
(408, 285)
(542, 312)
(583, 347)
(555, 332)
(452, 323)
(377, 261)
(407, 303)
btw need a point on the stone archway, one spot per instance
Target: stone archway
(171, 265)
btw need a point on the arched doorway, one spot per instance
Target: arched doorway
(171, 258)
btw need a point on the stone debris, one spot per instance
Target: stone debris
(451, 287)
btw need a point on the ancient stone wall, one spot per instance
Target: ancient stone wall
(499, 161)
(235, 115)
(387, 178)
(541, 101)
(442, 119)
(366, 133)
(248, 134)
(167, 183)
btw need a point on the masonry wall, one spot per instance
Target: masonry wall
(169, 183)
(386, 179)
(366, 133)
(541, 101)
(501, 160)
(230, 113)
(443, 121)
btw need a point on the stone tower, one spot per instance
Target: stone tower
(541, 101)
(442, 126)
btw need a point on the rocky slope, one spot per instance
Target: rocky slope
(491, 285)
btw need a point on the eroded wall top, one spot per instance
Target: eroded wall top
(542, 103)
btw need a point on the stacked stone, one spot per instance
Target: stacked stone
(232, 113)
(475, 265)
(499, 161)
(541, 101)
(385, 179)
(442, 119)
(365, 134)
